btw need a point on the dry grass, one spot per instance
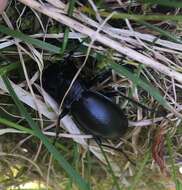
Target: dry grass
(150, 54)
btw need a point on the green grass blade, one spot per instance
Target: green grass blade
(83, 185)
(7, 68)
(141, 83)
(110, 170)
(170, 151)
(16, 126)
(137, 17)
(140, 171)
(28, 39)
(66, 33)
(168, 3)
(162, 32)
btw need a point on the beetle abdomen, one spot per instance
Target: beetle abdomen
(98, 115)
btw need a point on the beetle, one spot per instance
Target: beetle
(92, 111)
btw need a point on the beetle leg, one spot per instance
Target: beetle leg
(71, 52)
(137, 103)
(109, 93)
(99, 142)
(63, 113)
(120, 150)
(98, 78)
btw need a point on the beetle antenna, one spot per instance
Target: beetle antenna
(132, 100)
(71, 52)
(137, 103)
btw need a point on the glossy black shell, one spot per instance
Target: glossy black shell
(93, 112)
(99, 116)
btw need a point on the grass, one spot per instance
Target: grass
(37, 132)
(138, 175)
(170, 147)
(66, 32)
(38, 43)
(167, 3)
(75, 166)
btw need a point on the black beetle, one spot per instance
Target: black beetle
(93, 112)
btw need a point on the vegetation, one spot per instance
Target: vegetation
(141, 42)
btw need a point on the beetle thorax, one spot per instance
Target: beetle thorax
(74, 94)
